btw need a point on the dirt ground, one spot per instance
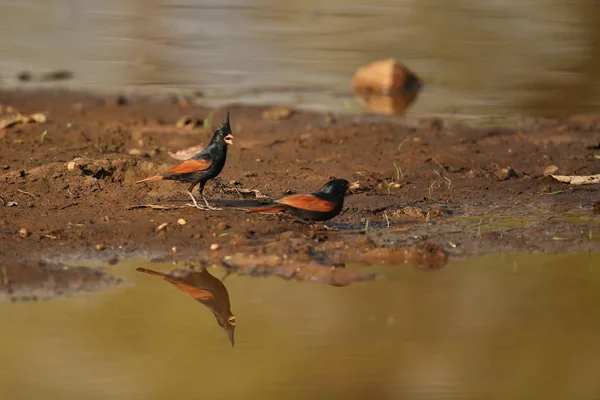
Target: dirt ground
(425, 192)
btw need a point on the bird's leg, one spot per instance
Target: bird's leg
(204, 198)
(189, 191)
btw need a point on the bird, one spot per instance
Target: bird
(317, 206)
(203, 166)
(206, 289)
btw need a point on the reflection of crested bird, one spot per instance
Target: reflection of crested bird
(318, 206)
(205, 288)
(203, 166)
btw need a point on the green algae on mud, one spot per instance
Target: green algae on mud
(496, 324)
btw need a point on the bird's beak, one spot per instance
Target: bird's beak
(229, 139)
(230, 328)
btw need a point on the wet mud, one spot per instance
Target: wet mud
(422, 193)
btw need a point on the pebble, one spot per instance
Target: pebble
(71, 166)
(99, 247)
(135, 152)
(214, 246)
(181, 221)
(24, 232)
(162, 226)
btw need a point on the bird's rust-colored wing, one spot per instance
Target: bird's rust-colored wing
(194, 291)
(307, 202)
(190, 166)
(191, 290)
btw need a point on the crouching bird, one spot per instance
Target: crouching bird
(206, 289)
(203, 166)
(317, 206)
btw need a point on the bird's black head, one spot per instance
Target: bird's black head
(336, 186)
(223, 132)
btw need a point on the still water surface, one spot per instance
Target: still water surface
(477, 58)
(495, 327)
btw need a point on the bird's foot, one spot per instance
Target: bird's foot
(209, 207)
(198, 206)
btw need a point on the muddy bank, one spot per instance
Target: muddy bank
(67, 187)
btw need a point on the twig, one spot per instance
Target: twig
(154, 207)
(27, 193)
(386, 219)
(65, 206)
(431, 187)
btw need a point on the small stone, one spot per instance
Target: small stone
(135, 152)
(39, 118)
(99, 247)
(71, 166)
(161, 226)
(181, 221)
(550, 170)
(215, 246)
(24, 232)
(173, 249)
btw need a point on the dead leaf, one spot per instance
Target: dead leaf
(577, 179)
(22, 119)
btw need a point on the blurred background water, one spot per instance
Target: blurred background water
(477, 58)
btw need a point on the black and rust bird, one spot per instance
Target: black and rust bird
(318, 206)
(206, 289)
(203, 166)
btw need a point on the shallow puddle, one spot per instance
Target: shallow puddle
(501, 326)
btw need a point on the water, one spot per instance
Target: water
(479, 59)
(496, 327)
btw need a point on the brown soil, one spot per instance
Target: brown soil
(461, 190)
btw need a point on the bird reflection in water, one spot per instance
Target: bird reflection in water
(206, 289)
